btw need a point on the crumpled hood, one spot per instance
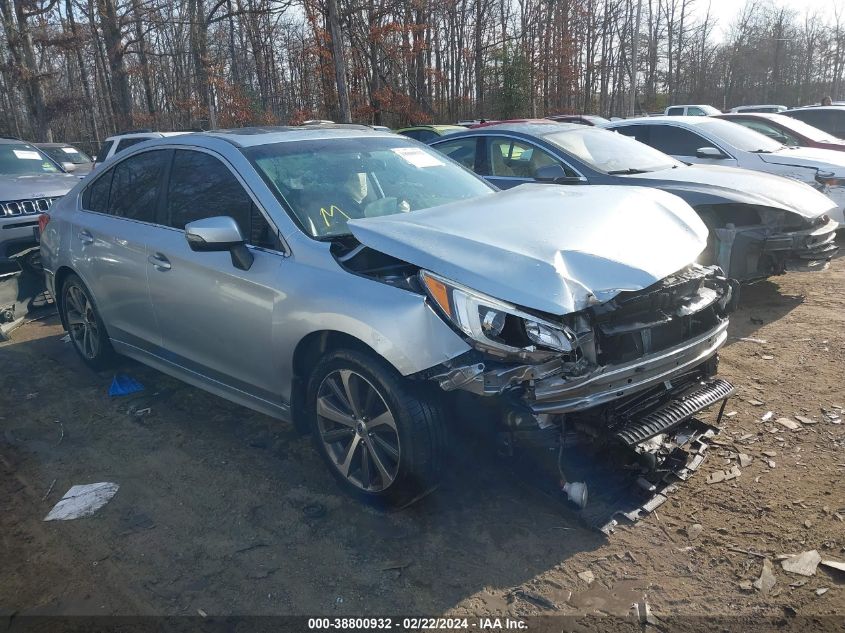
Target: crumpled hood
(743, 186)
(825, 160)
(39, 186)
(550, 248)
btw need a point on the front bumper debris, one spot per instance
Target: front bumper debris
(615, 499)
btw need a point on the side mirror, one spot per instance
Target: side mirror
(709, 152)
(556, 174)
(219, 234)
(68, 167)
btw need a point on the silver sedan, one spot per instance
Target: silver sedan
(362, 285)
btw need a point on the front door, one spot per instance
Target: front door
(216, 320)
(510, 162)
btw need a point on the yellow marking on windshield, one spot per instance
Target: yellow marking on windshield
(326, 215)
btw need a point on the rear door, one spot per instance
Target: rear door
(108, 244)
(216, 320)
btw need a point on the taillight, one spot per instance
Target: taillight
(43, 219)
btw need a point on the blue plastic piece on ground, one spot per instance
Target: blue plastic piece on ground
(123, 385)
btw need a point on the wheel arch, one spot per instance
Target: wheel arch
(59, 279)
(307, 354)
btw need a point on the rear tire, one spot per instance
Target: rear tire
(84, 325)
(381, 435)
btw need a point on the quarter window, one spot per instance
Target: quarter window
(103, 152)
(203, 187)
(135, 185)
(96, 197)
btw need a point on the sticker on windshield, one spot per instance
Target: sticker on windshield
(69, 150)
(417, 157)
(25, 154)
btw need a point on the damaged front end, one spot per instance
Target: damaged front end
(616, 386)
(752, 242)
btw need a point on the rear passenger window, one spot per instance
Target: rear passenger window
(103, 152)
(675, 112)
(676, 141)
(203, 187)
(135, 185)
(637, 132)
(96, 197)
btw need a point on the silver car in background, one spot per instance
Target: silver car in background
(711, 141)
(362, 285)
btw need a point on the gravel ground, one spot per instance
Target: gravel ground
(215, 510)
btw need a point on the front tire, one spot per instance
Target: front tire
(380, 435)
(85, 327)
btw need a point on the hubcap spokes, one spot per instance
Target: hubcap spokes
(358, 430)
(81, 322)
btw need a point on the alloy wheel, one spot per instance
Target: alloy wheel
(358, 430)
(82, 322)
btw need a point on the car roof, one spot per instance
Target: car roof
(818, 107)
(255, 136)
(659, 120)
(50, 145)
(537, 127)
(145, 135)
(760, 105)
(438, 127)
(10, 140)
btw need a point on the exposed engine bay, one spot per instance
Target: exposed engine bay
(637, 370)
(754, 242)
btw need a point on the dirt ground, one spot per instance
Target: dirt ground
(216, 507)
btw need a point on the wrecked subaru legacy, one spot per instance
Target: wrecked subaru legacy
(365, 287)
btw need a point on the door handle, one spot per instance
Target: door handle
(85, 237)
(159, 261)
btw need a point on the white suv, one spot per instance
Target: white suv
(691, 110)
(119, 142)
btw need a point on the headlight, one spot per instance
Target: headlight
(495, 326)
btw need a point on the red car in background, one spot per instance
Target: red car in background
(783, 129)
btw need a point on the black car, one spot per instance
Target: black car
(831, 119)
(760, 224)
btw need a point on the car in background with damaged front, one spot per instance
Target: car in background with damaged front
(760, 224)
(367, 288)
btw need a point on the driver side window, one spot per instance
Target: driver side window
(509, 158)
(201, 186)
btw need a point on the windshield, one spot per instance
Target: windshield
(610, 152)
(739, 136)
(67, 154)
(329, 181)
(805, 129)
(20, 159)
